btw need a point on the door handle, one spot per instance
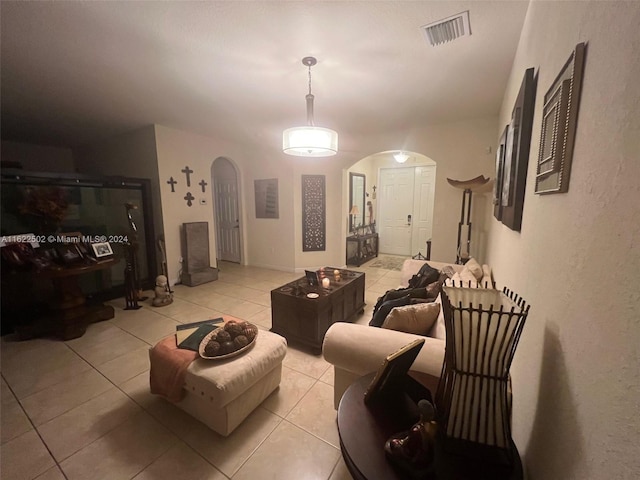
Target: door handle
(409, 220)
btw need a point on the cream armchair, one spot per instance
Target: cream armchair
(356, 350)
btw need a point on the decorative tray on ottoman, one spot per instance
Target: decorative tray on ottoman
(238, 345)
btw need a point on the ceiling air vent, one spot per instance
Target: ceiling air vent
(448, 29)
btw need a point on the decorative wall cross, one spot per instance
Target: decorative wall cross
(188, 197)
(187, 171)
(203, 184)
(172, 182)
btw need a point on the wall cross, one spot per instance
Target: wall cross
(187, 171)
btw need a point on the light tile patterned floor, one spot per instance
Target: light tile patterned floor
(82, 409)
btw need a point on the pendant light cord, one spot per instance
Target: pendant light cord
(309, 98)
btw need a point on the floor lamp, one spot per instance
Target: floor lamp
(468, 187)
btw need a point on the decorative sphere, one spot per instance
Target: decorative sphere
(212, 348)
(227, 347)
(240, 341)
(250, 332)
(223, 336)
(234, 329)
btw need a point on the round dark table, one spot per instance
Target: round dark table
(364, 429)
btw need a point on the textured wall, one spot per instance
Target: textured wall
(576, 372)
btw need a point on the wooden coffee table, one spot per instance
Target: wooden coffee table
(364, 429)
(305, 320)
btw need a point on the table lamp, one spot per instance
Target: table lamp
(354, 213)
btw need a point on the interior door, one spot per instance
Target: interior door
(227, 219)
(396, 210)
(424, 191)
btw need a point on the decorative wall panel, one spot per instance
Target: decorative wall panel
(313, 213)
(266, 193)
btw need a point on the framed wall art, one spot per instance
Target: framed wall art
(497, 185)
(266, 193)
(516, 159)
(559, 118)
(313, 213)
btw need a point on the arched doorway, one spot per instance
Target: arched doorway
(226, 211)
(402, 196)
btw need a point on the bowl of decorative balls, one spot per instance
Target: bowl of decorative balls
(228, 340)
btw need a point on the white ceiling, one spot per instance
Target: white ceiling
(76, 72)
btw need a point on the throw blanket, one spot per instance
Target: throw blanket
(168, 368)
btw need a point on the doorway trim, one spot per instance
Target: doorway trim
(216, 220)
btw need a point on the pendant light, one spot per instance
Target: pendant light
(310, 141)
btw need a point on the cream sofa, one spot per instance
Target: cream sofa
(355, 350)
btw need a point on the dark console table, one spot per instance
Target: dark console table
(305, 320)
(364, 429)
(69, 314)
(361, 248)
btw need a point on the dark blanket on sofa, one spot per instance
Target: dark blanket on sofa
(423, 286)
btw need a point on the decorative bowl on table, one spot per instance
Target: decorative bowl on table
(229, 340)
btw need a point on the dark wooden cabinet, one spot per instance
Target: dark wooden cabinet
(361, 248)
(305, 320)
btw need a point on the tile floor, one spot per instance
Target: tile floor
(81, 409)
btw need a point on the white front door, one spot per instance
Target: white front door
(424, 191)
(227, 219)
(405, 203)
(396, 210)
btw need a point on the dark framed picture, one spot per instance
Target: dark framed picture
(102, 249)
(506, 192)
(497, 185)
(312, 278)
(266, 198)
(68, 253)
(392, 373)
(516, 159)
(559, 119)
(17, 254)
(41, 262)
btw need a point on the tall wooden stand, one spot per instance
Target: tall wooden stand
(465, 221)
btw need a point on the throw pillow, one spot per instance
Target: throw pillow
(417, 319)
(385, 308)
(433, 289)
(447, 271)
(486, 281)
(454, 281)
(468, 278)
(474, 267)
(439, 330)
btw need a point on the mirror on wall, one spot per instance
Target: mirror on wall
(357, 184)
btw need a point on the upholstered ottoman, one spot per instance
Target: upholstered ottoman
(221, 394)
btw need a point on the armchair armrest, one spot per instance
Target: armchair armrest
(356, 350)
